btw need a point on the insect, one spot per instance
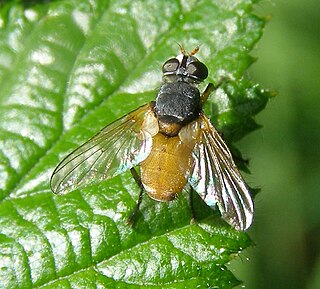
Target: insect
(174, 143)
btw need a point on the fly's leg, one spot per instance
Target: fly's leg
(204, 96)
(193, 214)
(137, 179)
(210, 87)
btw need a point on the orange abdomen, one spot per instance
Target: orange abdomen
(164, 172)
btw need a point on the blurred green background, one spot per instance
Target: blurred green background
(285, 154)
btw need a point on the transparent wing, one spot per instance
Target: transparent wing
(217, 180)
(116, 148)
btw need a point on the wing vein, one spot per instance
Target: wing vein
(117, 147)
(217, 180)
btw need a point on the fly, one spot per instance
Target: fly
(174, 143)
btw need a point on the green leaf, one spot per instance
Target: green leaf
(68, 68)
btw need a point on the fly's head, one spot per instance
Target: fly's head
(185, 67)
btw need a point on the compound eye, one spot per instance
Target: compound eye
(170, 65)
(198, 70)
